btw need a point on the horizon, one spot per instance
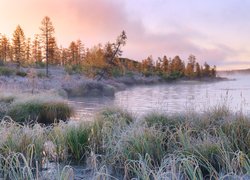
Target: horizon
(208, 30)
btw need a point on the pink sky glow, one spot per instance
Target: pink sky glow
(216, 32)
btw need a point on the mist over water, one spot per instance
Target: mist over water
(183, 96)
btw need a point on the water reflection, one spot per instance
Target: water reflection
(174, 97)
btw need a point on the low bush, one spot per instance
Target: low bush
(21, 73)
(40, 64)
(41, 74)
(74, 69)
(6, 71)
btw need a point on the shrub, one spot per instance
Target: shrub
(74, 69)
(40, 64)
(41, 74)
(5, 71)
(116, 72)
(21, 73)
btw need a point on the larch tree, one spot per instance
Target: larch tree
(148, 66)
(80, 51)
(213, 71)
(110, 58)
(94, 60)
(189, 71)
(158, 66)
(18, 43)
(28, 50)
(47, 33)
(4, 48)
(197, 70)
(177, 67)
(10, 53)
(73, 49)
(54, 57)
(37, 50)
(206, 70)
(64, 56)
(165, 65)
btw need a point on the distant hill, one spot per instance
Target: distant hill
(237, 71)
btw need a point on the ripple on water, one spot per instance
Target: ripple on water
(171, 98)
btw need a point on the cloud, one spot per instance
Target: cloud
(99, 21)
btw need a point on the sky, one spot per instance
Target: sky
(215, 31)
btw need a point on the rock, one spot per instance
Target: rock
(108, 90)
(90, 89)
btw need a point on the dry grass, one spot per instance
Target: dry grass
(212, 145)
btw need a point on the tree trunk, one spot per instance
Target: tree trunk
(47, 56)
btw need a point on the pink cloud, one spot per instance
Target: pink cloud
(99, 21)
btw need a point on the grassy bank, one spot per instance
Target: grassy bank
(42, 108)
(211, 145)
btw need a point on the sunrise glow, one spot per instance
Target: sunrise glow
(215, 31)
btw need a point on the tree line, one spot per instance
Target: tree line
(99, 61)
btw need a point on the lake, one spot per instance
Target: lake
(183, 96)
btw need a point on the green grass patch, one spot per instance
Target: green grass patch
(42, 112)
(77, 139)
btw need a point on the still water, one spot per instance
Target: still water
(172, 97)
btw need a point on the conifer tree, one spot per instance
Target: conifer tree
(18, 43)
(37, 50)
(73, 50)
(189, 71)
(28, 51)
(165, 65)
(47, 33)
(4, 48)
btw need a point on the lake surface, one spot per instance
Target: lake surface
(172, 97)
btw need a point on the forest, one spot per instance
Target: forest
(99, 61)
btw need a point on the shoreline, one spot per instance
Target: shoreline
(77, 85)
